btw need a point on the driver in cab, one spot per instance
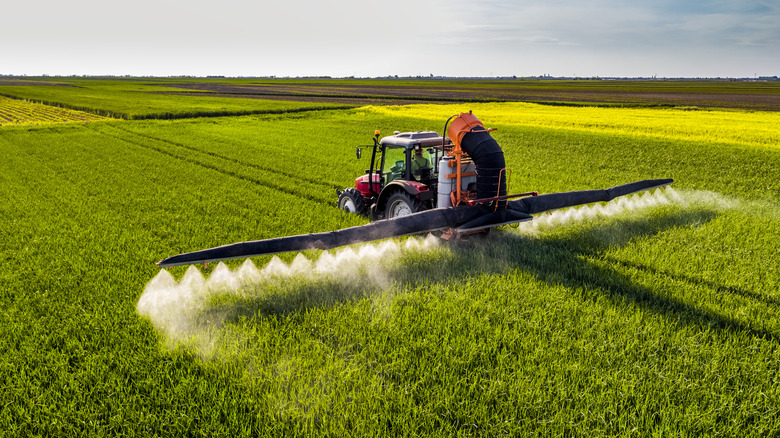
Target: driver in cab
(419, 162)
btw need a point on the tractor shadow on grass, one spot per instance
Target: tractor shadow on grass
(578, 261)
(690, 279)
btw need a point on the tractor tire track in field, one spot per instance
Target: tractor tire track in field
(288, 175)
(169, 151)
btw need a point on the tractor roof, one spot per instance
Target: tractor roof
(410, 139)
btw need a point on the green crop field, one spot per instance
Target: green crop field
(134, 99)
(652, 315)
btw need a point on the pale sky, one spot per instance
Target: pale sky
(367, 38)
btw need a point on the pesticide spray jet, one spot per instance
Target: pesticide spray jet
(465, 193)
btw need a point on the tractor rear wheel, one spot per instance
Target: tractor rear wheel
(401, 204)
(350, 200)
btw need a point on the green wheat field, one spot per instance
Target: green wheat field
(653, 315)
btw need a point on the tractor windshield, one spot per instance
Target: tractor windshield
(394, 164)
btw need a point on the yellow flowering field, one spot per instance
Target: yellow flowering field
(15, 112)
(753, 128)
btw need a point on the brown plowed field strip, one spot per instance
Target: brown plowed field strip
(737, 97)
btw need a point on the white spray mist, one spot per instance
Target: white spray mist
(174, 306)
(633, 203)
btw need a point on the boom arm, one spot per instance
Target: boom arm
(463, 218)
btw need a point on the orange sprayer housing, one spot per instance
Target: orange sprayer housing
(460, 125)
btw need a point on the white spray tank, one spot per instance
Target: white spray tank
(448, 185)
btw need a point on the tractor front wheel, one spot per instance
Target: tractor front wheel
(352, 201)
(401, 204)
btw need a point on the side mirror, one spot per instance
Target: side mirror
(359, 152)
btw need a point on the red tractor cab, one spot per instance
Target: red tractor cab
(401, 178)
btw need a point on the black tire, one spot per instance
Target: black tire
(350, 200)
(401, 204)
